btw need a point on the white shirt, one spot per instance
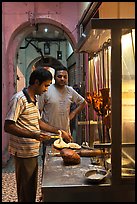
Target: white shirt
(55, 105)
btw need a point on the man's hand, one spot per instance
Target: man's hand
(66, 136)
(43, 136)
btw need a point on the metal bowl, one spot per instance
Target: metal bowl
(96, 175)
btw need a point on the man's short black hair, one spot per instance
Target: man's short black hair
(41, 74)
(60, 69)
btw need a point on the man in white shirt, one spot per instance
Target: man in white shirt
(55, 104)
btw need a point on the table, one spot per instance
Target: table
(62, 183)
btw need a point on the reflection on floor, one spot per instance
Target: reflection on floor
(9, 193)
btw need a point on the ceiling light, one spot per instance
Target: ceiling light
(59, 55)
(46, 30)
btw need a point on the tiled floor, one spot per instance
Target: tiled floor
(9, 184)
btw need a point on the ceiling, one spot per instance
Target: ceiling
(53, 34)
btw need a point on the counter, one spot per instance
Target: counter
(62, 183)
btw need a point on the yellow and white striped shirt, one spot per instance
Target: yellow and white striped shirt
(25, 114)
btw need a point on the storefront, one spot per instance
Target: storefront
(110, 44)
(111, 91)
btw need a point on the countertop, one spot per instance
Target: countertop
(62, 183)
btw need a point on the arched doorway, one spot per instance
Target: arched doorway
(15, 42)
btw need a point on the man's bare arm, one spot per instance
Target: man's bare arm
(77, 110)
(11, 127)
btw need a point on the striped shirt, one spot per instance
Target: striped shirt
(25, 114)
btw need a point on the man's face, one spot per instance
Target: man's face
(43, 87)
(61, 78)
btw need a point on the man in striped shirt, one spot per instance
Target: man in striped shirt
(24, 124)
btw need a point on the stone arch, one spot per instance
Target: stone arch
(15, 41)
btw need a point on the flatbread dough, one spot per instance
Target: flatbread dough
(73, 145)
(60, 144)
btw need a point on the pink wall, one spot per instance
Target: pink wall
(16, 13)
(15, 24)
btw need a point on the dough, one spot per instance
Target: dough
(73, 145)
(60, 144)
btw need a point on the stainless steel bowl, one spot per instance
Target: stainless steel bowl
(96, 175)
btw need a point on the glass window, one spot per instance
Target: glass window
(128, 102)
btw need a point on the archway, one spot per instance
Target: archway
(15, 41)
